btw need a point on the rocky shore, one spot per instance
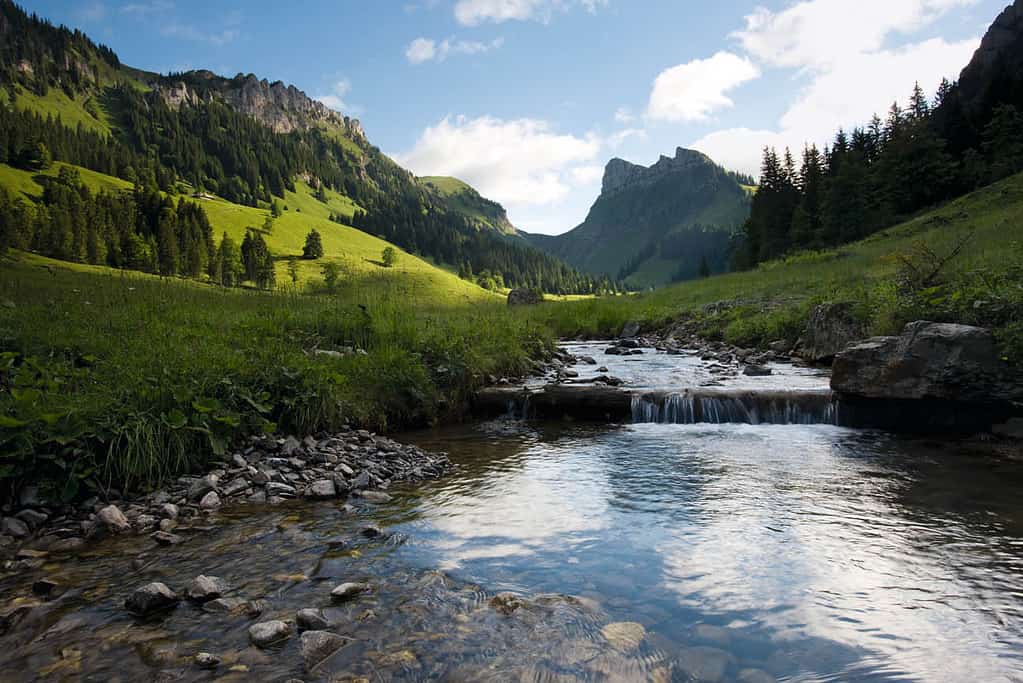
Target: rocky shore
(268, 470)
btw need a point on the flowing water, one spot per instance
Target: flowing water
(652, 551)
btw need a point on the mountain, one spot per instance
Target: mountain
(461, 197)
(64, 98)
(651, 225)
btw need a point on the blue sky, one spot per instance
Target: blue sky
(528, 99)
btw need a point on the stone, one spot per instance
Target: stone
(205, 660)
(290, 445)
(45, 587)
(202, 486)
(704, 664)
(372, 532)
(347, 591)
(166, 538)
(708, 633)
(321, 489)
(318, 646)
(170, 510)
(506, 603)
(615, 351)
(756, 371)
(376, 496)
(226, 606)
(624, 635)
(830, 328)
(524, 297)
(153, 597)
(14, 527)
(1011, 429)
(211, 501)
(281, 490)
(238, 460)
(33, 518)
(113, 519)
(587, 360)
(630, 329)
(361, 481)
(266, 633)
(780, 346)
(205, 588)
(928, 360)
(311, 620)
(755, 676)
(235, 487)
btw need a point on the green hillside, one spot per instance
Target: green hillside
(463, 198)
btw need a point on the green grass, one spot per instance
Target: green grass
(20, 181)
(463, 198)
(72, 112)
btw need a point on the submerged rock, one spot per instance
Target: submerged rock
(624, 635)
(704, 663)
(318, 646)
(266, 633)
(506, 603)
(153, 597)
(348, 591)
(205, 660)
(311, 620)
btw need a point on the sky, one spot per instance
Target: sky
(527, 100)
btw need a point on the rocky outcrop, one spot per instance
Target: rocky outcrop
(928, 360)
(283, 108)
(831, 328)
(621, 175)
(996, 69)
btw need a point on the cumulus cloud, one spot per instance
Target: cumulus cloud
(624, 115)
(476, 12)
(425, 49)
(516, 162)
(585, 175)
(845, 95)
(696, 89)
(336, 98)
(819, 33)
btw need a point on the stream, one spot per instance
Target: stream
(643, 551)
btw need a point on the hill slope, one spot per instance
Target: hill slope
(461, 197)
(652, 225)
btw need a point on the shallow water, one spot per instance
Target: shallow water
(639, 552)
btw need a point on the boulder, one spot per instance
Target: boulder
(113, 519)
(211, 501)
(318, 646)
(322, 489)
(266, 633)
(928, 361)
(153, 597)
(829, 330)
(347, 591)
(524, 297)
(12, 526)
(311, 620)
(205, 588)
(756, 371)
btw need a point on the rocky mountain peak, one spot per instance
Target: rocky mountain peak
(620, 174)
(999, 57)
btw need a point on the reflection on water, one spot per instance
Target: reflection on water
(647, 552)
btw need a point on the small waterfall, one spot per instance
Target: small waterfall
(746, 407)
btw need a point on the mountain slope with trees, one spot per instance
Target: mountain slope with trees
(649, 226)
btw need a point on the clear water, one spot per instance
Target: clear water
(746, 553)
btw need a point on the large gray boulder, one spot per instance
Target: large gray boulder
(524, 297)
(932, 361)
(829, 330)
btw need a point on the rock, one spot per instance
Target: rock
(318, 646)
(372, 532)
(153, 597)
(615, 351)
(756, 371)
(236, 487)
(624, 635)
(1012, 429)
(33, 518)
(170, 510)
(755, 676)
(506, 603)
(205, 588)
(831, 327)
(361, 481)
(113, 519)
(715, 635)
(322, 489)
(630, 329)
(375, 496)
(200, 487)
(266, 633)
(780, 346)
(211, 501)
(705, 664)
(290, 445)
(524, 297)
(603, 368)
(205, 660)
(227, 606)
(45, 587)
(928, 361)
(166, 538)
(238, 460)
(588, 360)
(281, 490)
(348, 591)
(14, 527)
(311, 620)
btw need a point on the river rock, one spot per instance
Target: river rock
(587, 360)
(318, 646)
(506, 603)
(524, 297)
(375, 496)
(705, 664)
(831, 327)
(311, 620)
(348, 591)
(205, 588)
(756, 371)
(624, 635)
(14, 527)
(928, 361)
(266, 633)
(1012, 429)
(206, 660)
(33, 518)
(755, 676)
(615, 351)
(630, 329)
(280, 490)
(113, 519)
(165, 538)
(211, 501)
(152, 597)
(290, 445)
(321, 489)
(200, 487)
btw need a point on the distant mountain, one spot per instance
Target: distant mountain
(461, 197)
(652, 225)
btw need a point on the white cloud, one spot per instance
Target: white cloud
(187, 32)
(336, 98)
(585, 175)
(820, 33)
(93, 11)
(696, 89)
(425, 49)
(518, 162)
(475, 12)
(144, 9)
(615, 140)
(845, 95)
(624, 115)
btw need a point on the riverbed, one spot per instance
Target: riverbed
(718, 552)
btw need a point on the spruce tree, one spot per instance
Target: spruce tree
(313, 248)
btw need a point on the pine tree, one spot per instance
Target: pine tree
(313, 248)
